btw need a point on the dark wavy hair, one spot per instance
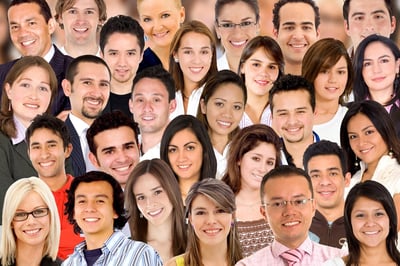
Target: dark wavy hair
(377, 192)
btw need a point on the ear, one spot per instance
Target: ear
(263, 212)
(393, 24)
(398, 66)
(347, 178)
(182, 14)
(172, 106)
(346, 28)
(66, 85)
(93, 160)
(217, 30)
(51, 25)
(130, 105)
(68, 150)
(8, 89)
(203, 107)
(275, 33)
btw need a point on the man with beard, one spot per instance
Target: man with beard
(87, 84)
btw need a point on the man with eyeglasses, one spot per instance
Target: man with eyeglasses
(288, 205)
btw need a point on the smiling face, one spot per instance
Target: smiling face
(210, 222)
(370, 223)
(224, 109)
(194, 55)
(297, 31)
(380, 68)
(30, 94)
(93, 210)
(47, 153)
(117, 152)
(290, 224)
(160, 20)
(365, 140)
(331, 83)
(33, 231)
(256, 163)
(235, 39)
(80, 22)
(185, 154)
(152, 200)
(260, 71)
(29, 31)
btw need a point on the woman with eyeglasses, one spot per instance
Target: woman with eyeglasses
(30, 225)
(236, 23)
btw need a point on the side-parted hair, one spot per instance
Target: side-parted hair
(107, 121)
(360, 88)
(177, 2)
(164, 175)
(52, 123)
(174, 67)
(292, 83)
(217, 81)
(271, 49)
(13, 198)
(346, 9)
(381, 121)
(246, 140)
(118, 197)
(377, 192)
(322, 56)
(45, 10)
(285, 171)
(325, 147)
(276, 20)
(179, 123)
(64, 5)
(121, 24)
(223, 197)
(220, 4)
(72, 69)
(7, 125)
(158, 73)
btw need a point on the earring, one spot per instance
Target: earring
(390, 153)
(356, 162)
(176, 59)
(9, 106)
(187, 221)
(141, 215)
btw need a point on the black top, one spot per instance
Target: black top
(47, 261)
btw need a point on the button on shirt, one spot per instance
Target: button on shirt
(118, 250)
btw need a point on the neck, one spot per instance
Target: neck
(75, 50)
(161, 232)
(297, 149)
(382, 96)
(325, 111)
(332, 214)
(28, 255)
(163, 55)
(95, 241)
(233, 62)
(374, 255)
(255, 107)
(214, 254)
(150, 140)
(185, 184)
(121, 88)
(292, 68)
(55, 182)
(218, 141)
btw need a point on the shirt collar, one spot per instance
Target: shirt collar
(20, 132)
(79, 125)
(278, 248)
(49, 54)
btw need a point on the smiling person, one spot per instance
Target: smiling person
(373, 151)
(371, 222)
(96, 207)
(288, 205)
(155, 208)
(377, 74)
(261, 64)
(113, 144)
(212, 236)
(187, 149)
(236, 23)
(160, 21)
(295, 29)
(328, 66)
(221, 109)
(192, 62)
(254, 151)
(27, 92)
(31, 227)
(81, 21)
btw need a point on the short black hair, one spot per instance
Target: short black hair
(72, 69)
(118, 198)
(43, 5)
(346, 9)
(51, 123)
(325, 147)
(121, 24)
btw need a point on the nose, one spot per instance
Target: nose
(44, 153)
(369, 27)
(90, 206)
(331, 77)
(148, 106)
(121, 60)
(211, 218)
(376, 68)
(325, 179)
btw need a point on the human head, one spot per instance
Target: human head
(360, 88)
(175, 68)
(377, 192)
(164, 175)
(13, 76)
(5, 40)
(223, 197)
(21, 11)
(217, 81)
(381, 121)
(14, 196)
(182, 122)
(287, 197)
(246, 140)
(322, 56)
(113, 143)
(363, 18)
(117, 200)
(121, 24)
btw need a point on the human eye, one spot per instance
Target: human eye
(14, 27)
(35, 147)
(227, 25)
(165, 15)
(385, 60)
(272, 67)
(139, 198)
(246, 24)
(237, 107)
(20, 215)
(131, 53)
(90, 12)
(288, 28)
(358, 18)
(219, 104)
(342, 72)
(190, 147)
(25, 85)
(220, 210)
(187, 51)
(104, 84)
(171, 149)
(139, 99)
(271, 162)
(205, 52)
(359, 215)
(146, 20)
(113, 53)
(81, 201)
(44, 88)
(276, 204)
(87, 82)
(256, 158)
(315, 176)
(72, 11)
(158, 192)
(199, 212)
(32, 23)
(307, 28)
(52, 145)
(255, 65)
(282, 114)
(352, 136)
(300, 202)
(366, 64)
(100, 201)
(40, 212)
(334, 173)
(369, 132)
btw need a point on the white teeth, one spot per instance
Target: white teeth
(298, 45)
(212, 231)
(32, 232)
(91, 219)
(26, 43)
(196, 69)
(81, 30)
(154, 213)
(46, 164)
(94, 102)
(183, 166)
(226, 124)
(238, 43)
(31, 105)
(371, 233)
(262, 82)
(291, 224)
(159, 35)
(293, 129)
(121, 169)
(148, 118)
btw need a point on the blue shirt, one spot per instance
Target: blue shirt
(118, 250)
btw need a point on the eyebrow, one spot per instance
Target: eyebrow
(52, 141)
(115, 147)
(329, 169)
(301, 195)
(380, 57)
(153, 189)
(191, 48)
(243, 19)
(95, 196)
(291, 23)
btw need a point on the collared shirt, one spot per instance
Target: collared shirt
(152, 153)
(266, 118)
(314, 254)
(49, 54)
(222, 62)
(62, 49)
(20, 128)
(193, 103)
(81, 127)
(117, 250)
(222, 161)
(286, 157)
